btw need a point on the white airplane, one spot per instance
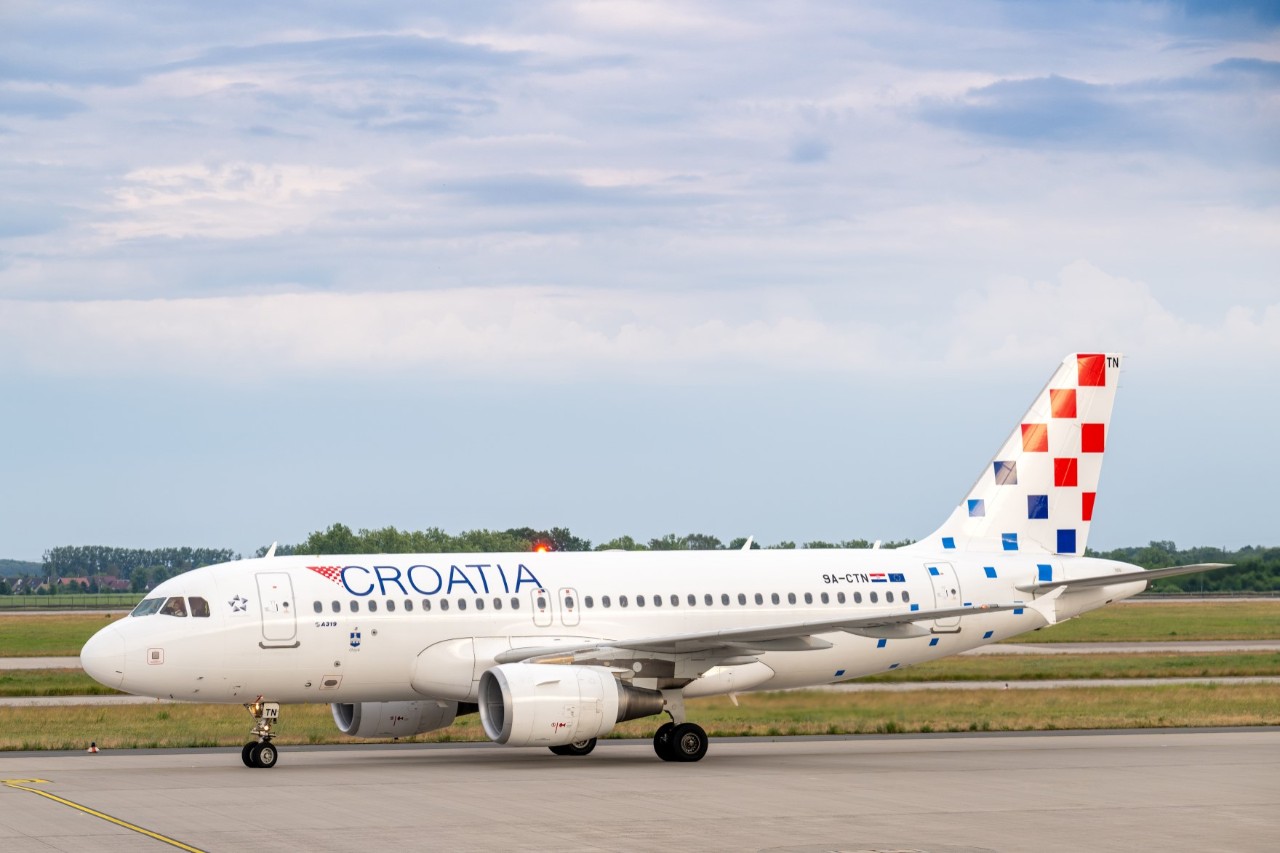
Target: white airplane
(555, 649)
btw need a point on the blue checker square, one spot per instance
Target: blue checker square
(977, 508)
(933, 570)
(1017, 611)
(933, 641)
(988, 635)
(990, 571)
(1044, 572)
(949, 542)
(1037, 506)
(1006, 473)
(894, 665)
(1067, 541)
(881, 643)
(915, 606)
(1009, 541)
(839, 672)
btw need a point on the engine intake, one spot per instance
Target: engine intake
(529, 704)
(393, 719)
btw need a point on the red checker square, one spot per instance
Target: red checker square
(1062, 402)
(1064, 471)
(1092, 438)
(1086, 505)
(1035, 438)
(1091, 370)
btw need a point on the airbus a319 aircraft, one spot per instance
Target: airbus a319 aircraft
(555, 649)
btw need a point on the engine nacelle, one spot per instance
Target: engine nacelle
(531, 704)
(393, 719)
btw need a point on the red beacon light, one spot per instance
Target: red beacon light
(542, 548)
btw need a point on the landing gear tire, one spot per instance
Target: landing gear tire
(688, 742)
(582, 747)
(662, 742)
(265, 755)
(246, 753)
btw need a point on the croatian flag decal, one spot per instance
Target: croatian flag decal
(879, 577)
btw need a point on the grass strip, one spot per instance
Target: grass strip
(48, 635)
(73, 682)
(762, 714)
(1056, 667)
(1166, 621)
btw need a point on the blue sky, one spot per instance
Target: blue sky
(790, 270)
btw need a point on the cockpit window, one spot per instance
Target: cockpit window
(147, 606)
(199, 607)
(175, 606)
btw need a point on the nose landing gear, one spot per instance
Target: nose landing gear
(261, 752)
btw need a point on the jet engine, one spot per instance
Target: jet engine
(530, 704)
(393, 719)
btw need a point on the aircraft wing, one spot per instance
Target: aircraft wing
(1123, 577)
(729, 642)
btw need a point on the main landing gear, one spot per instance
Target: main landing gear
(679, 740)
(261, 752)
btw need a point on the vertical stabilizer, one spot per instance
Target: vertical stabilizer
(1037, 493)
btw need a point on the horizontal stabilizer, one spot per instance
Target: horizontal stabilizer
(1124, 577)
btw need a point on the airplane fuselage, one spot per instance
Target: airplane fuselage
(384, 628)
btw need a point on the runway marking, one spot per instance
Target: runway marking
(19, 784)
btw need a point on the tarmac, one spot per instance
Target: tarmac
(1168, 790)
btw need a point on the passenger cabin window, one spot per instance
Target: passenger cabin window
(199, 607)
(759, 598)
(657, 601)
(515, 603)
(857, 598)
(826, 599)
(373, 606)
(724, 599)
(589, 601)
(840, 597)
(568, 602)
(335, 606)
(497, 604)
(774, 598)
(408, 604)
(147, 606)
(708, 600)
(874, 598)
(888, 596)
(639, 601)
(319, 608)
(174, 606)
(906, 596)
(391, 606)
(742, 598)
(426, 605)
(622, 601)
(355, 606)
(479, 604)
(604, 600)
(462, 604)
(444, 604)
(808, 598)
(675, 600)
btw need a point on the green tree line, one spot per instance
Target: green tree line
(1254, 569)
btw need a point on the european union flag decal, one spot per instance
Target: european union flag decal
(897, 577)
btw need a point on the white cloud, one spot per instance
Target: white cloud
(549, 335)
(228, 201)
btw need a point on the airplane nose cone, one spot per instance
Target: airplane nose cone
(103, 657)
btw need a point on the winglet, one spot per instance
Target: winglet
(271, 552)
(746, 546)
